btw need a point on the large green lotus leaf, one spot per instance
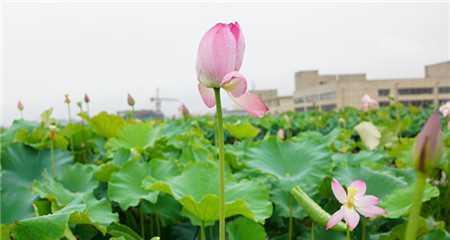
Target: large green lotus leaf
(106, 125)
(167, 208)
(79, 177)
(125, 185)
(196, 190)
(285, 204)
(398, 203)
(241, 130)
(20, 167)
(48, 227)
(8, 135)
(97, 213)
(379, 183)
(136, 136)
(292, 163)
(243, 228)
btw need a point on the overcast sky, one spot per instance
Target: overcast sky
(110, 49)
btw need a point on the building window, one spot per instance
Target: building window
(327, 96)
(418, 103)
(443, 101)
(299, 109)
(383, 92)
(415, 91)
(312, 108)
(383, 103)
(444, 89)
(328, 107)
(299, 100)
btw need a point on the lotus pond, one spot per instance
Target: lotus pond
(108, 177)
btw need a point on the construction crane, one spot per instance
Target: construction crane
(158, 101)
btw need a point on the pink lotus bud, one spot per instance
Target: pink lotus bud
(428, 147)
(130, 100)
(86, 98)
(281, 134)
(20, 106)
(219, 59)
(184, 110)
(221, 51)
(368, 103)
(66, 99)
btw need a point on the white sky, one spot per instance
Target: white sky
(108, 49)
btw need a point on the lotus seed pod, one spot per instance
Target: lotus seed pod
(130, 100)
(428, 147)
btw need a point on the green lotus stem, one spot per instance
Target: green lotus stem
(414, 213)
(363, 230)
(290, 223)
(52, 159)
(87, 109)
(152, 232)
(220, 144)
(349, 236)
(158, 226)
(202, 232)
(316, 213)
(141, 218)
(131, 112)
(68, 113)
(312, 231)
(21, 115)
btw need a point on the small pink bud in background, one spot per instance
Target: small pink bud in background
(20, 106)
(184, 111)
(368, 103)
(281, 134)
(86, 98)
(67, 99)
(130, 100)
(427, 150)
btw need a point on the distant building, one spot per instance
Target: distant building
(142, 114)
(330, 92)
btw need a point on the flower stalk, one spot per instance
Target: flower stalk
(220, 145)
(414, 214)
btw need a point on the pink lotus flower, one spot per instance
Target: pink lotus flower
(445, 109)
(368, 103)
(354, 202)
(219, 59)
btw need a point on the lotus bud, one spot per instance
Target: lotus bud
(184, 111)
(130, 100)
(66, 99)
(20, 106)
(281, 134)
(80, 105)
(52, 133)
(428, 147)
(86, 98)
